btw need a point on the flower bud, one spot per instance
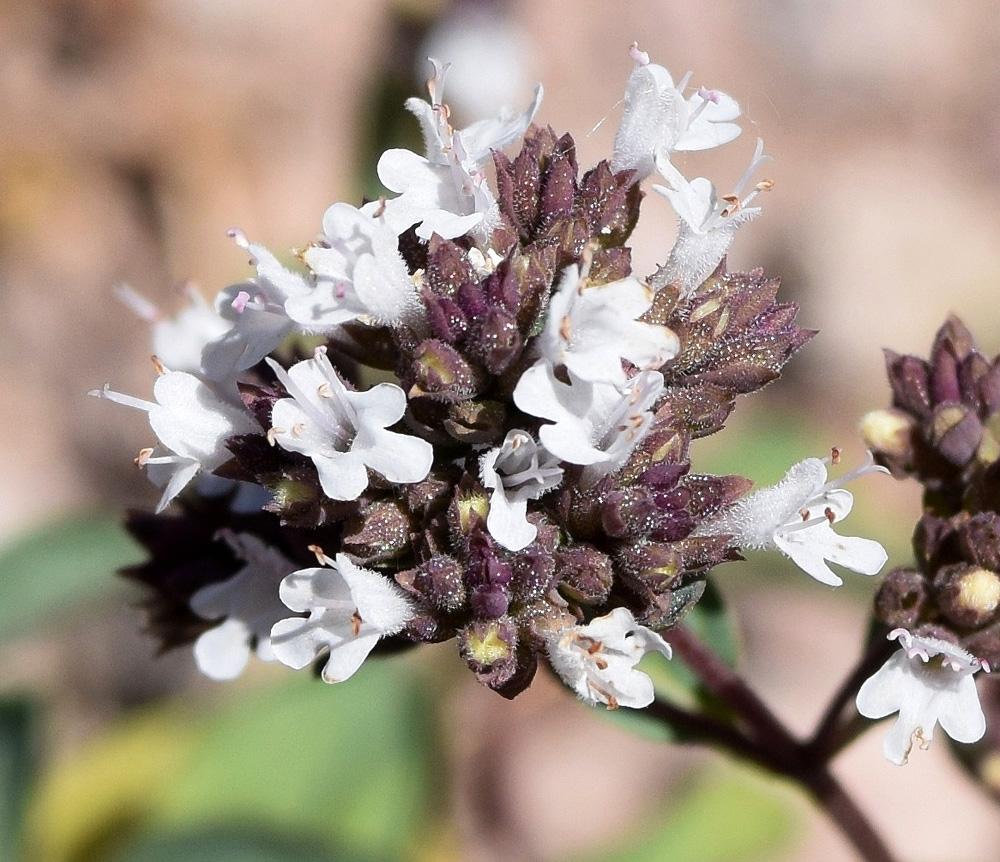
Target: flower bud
(534, 573)
(475, 422)
(498, 341)
(985, 644)
(439, 371)
(379, 532)
(889, 432)
(901, 598)
(585, 574)
(491, 649)
(955, 431)
(468, 508)
(967, 595)
(438, 582)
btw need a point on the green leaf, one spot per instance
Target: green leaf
(228, 844)
(61, 564)
(724, 817)
(345, 767)
(711, 621)
(348, 764)
(18, 763)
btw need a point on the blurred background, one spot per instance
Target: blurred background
(136, 132)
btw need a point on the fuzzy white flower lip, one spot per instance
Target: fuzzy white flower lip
(598, 660)
(445, 192)
(516, 471)
(192, 422)
(708, 225)
(479, 139)
(591, 328)
(796, 517)
(928, 682)
(658, 120)
(360, 273)
(249, 603)
(349, 609)
(344, 432)
(597, 425)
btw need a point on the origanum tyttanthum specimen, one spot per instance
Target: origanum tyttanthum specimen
(487, 439)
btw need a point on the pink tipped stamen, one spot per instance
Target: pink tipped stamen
(138, 304)
(240, 303)
(641, 58)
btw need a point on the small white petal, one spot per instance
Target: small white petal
(928, 682)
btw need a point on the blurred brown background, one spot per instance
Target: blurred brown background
(136, 132)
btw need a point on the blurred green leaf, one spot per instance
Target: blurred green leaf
(721, 819)
(348, 763)
(229, 845)
(344, 767)
(59, 565)
(17, 770)
(712, 622)
(762, 441)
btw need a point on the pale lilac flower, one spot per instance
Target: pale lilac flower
(344, 432)
(192, 422)
(256, 312)
(928, 682)
(360, 274)
(658, 120)
(591, 328)
(796, 516)
(178, 341)
(595, 424)
(445, 192)
(707, 226)
(516, 471)
(349, 609)
(248, 605)
(598, 660)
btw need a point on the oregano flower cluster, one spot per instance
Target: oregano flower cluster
(459, 414)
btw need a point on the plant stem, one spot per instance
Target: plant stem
(725, 684)
(703, 728)
(832, 735)
(843, 811)
(769, 743)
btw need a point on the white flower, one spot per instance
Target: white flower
(659, 121)
(516, 471)
(598, 660)
(178, 342)
(477, 140)
(192, 422)
(360, 274)
(344, 432)
(596, 424)
(349, 609)
(256, 310)
(250, 604)
(591, 328)
(796, 517)
(928, 681)
(707, 226)
(446, 192)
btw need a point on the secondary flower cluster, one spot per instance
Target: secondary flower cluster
(941, 430)
(461, 415)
